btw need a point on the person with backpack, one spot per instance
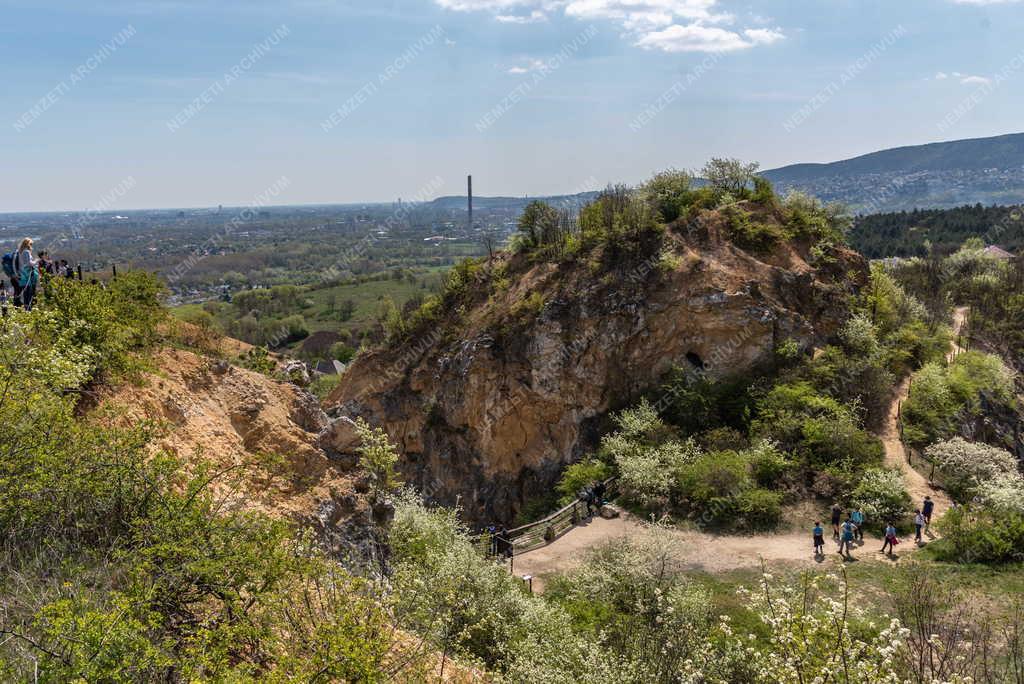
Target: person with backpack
(918, 524)
(26, 269)
(10, 272)
(926, 511)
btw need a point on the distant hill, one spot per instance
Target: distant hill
(936, 175)
(459, 201)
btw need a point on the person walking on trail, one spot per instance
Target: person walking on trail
(918, 525)
(599, 492)
(819, 539)
(858, 521)
(890, 538)
(26, 269)
(846, 540)
(837, 515)
(926, 511)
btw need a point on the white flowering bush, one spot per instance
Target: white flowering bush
(647, 460)
(816, 635)
(1003, 493)
(880, 494)
(858, 334)
(967, 465)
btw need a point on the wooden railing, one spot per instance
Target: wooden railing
(544, 531)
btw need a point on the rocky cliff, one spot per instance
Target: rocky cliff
(260, 437)
(492, 401)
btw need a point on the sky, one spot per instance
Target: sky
(124, 104)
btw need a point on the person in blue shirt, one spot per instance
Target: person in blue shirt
(846, 538)
(858, 520)
(819, 539)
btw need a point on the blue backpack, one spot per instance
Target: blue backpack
(9, 264)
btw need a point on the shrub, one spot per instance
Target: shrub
(377, 456)
(940, 398)
(730, 176)
(645, 455)
(979, 533)
(768, 465)
(750, 234)
(580, 475)
(760, 508)
(965, 465)
(880, 494)
(669, 193)
(723, 473)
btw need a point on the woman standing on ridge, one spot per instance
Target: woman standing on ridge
(26, 270)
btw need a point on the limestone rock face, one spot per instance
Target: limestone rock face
(264, 435)
(489, 406)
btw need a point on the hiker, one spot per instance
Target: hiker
(586, 495)
(819, 539)
(599, 492)
(918, 524)
(66, 270)
(504, 543)
(926, 511)
(858, 521)
(890, 538)
(847, 538)
(46, 264)
(837, 514)
(591, 499)
(492, 535)
(26, 268)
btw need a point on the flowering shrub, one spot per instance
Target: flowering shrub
(815, 635)
(966, 465)
(881, 496)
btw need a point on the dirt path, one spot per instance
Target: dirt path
(699, 551)
(895, 456)
(721, 553)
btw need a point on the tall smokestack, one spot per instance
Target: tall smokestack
(469, 194)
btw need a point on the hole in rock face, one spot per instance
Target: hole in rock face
(695, 360)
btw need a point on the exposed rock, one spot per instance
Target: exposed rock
(270, 432)
(488, 408)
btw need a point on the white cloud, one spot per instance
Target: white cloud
(964, 79)
(700, 38)
(531, 18)
(531, 65)
(668, 25)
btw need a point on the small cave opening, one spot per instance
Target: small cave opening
(694, 359)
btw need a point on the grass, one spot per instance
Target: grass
(321, 307)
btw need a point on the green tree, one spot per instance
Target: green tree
(537, 218)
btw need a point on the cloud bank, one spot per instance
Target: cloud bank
(666, 25)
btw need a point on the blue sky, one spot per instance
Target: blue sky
(204, 103)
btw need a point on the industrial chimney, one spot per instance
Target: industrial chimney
(469, 194)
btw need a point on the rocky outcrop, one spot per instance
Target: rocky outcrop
(490, 405)
(262, 436)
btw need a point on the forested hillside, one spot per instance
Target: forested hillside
(914, 233)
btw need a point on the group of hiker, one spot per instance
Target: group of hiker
(847, 531)
(27, 272)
